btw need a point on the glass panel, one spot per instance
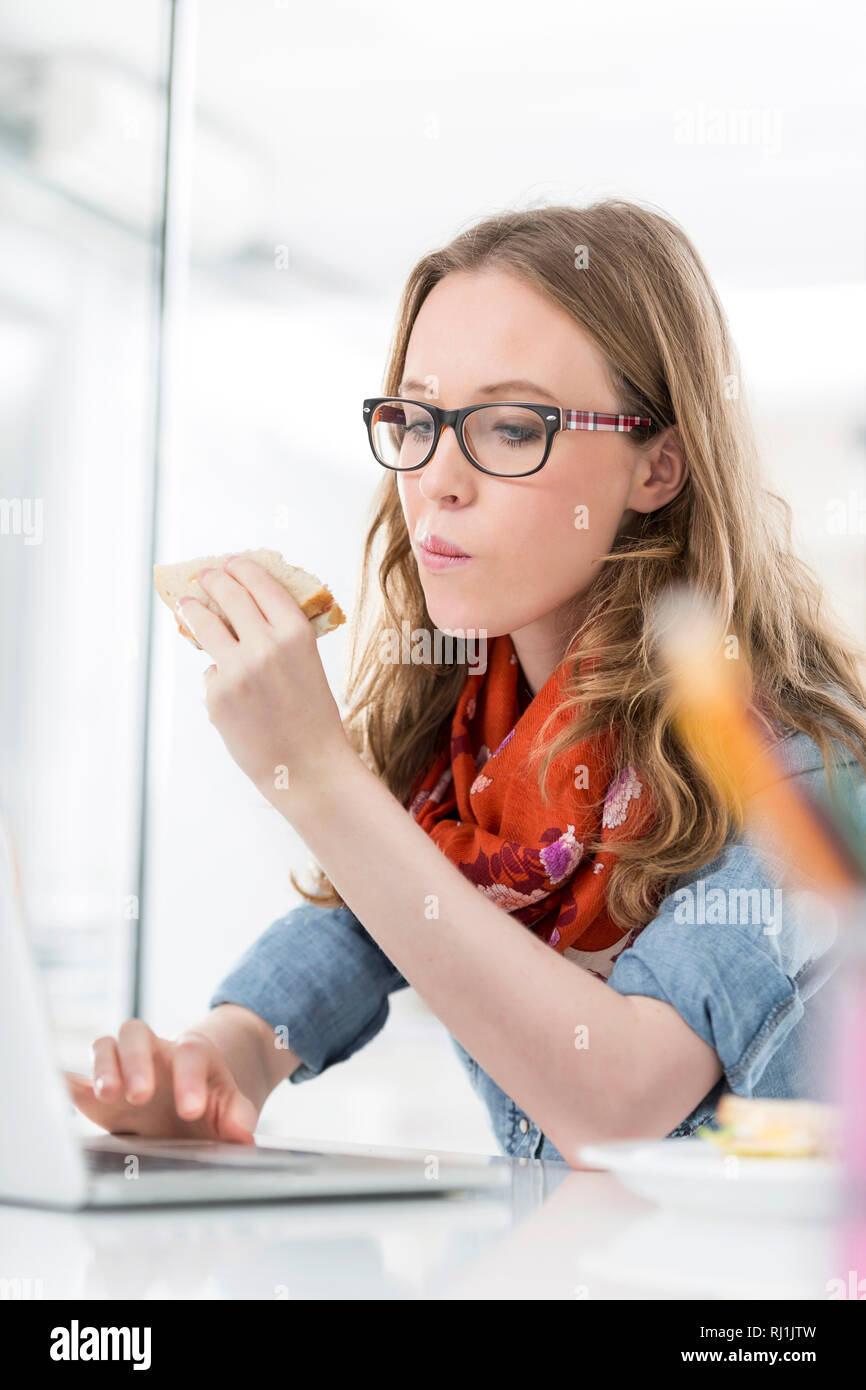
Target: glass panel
(82, 111)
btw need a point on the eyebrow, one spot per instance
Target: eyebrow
(516, 384)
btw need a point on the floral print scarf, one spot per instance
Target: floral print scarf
(479, 801)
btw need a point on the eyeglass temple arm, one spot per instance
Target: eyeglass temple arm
(600, 420)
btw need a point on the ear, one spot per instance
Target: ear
(660, 473)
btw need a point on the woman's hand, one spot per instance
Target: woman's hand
(183, 1089)
(267, 693)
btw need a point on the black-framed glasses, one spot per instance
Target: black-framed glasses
(508, 439)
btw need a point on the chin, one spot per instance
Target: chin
(467, 620)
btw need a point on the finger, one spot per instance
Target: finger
(236, 1116)
(78, 1085)
(207, 628)
(81, 1092)
(275, 602)
(191, 1068)
(135, 1054)
(235, 600)
(107, 1079)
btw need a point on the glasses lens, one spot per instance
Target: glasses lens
(402, 433)
(505, 438)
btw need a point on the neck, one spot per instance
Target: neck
(540, 647)
(535, 667)
(525, 693)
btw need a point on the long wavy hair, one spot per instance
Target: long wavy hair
(646, 300)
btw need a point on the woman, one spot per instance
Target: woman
(518, 838)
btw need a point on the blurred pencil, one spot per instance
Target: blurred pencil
(711, 711)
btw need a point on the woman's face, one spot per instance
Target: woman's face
(489, 336)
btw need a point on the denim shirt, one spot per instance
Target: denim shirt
(743, 966)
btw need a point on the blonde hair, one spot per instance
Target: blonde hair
(646, 300)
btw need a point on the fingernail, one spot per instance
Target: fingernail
(181, 613)
(208, 569)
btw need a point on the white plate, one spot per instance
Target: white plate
(693, 1173)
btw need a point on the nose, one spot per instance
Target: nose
(447, 470)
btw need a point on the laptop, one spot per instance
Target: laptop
(45, 1161)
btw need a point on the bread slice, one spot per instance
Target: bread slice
(315, 598)
(769, 1128)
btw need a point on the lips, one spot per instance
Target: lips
(438, 545)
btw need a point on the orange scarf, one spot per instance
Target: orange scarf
(479, 801)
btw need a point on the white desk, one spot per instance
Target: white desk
(554, 1234)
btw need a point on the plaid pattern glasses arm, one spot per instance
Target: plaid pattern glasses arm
(596, 420)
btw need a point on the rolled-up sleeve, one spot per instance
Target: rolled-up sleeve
(317, 974)
(736, 956)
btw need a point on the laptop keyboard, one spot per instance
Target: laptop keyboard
(102, 1161)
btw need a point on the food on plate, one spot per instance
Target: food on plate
(315, 598)
(756, 1127)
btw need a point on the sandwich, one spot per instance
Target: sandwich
(761, 1128)
(315, 598)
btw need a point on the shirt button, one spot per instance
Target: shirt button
(523, 1125)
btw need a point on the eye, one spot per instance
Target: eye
(416, 425)
(513, 436)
